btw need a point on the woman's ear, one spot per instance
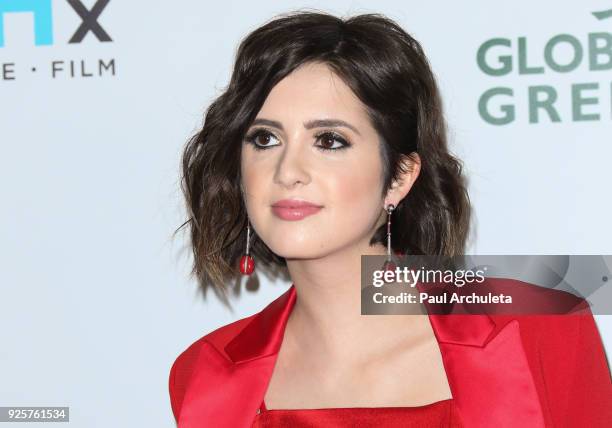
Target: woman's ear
(409, 171)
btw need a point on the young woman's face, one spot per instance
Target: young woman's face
(336, 166)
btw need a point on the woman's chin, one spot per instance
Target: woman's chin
(296, 249)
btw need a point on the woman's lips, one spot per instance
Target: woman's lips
(293, 213)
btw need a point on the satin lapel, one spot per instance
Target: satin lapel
(222, 394)
(492, 384)
(487, 370)
(227, 392)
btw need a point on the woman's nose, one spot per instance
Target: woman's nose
(292, 166)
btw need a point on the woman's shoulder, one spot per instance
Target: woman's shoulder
(570, 367)
(215, 342)
(545, 315)
(565, 354)
(568, 323)
(184, 364)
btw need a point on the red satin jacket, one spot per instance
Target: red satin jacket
(504, 371)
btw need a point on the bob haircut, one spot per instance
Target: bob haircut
(387, 70)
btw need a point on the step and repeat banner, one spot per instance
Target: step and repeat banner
(97, 99)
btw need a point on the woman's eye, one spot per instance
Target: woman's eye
(260, 139)
(328, 139)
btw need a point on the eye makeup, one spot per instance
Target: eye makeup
(325, 136)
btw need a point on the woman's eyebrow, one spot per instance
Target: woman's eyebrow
(318, 123)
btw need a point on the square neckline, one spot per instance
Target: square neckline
(263, 408)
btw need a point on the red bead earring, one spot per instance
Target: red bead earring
(247, 264)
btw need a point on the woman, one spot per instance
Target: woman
(330, 130)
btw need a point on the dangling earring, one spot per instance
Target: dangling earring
(247, 264)
(389, 264)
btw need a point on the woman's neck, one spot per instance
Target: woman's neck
(326, 317)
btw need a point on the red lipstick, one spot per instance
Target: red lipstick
(294, 209)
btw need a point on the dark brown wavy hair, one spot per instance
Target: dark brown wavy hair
(388, 71)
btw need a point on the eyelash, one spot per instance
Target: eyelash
(252, 137)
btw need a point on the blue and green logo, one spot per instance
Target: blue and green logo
(43, 19)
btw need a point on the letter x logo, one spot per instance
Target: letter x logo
(90, 21)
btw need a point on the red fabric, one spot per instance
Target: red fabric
(440, 414)
(503, 371)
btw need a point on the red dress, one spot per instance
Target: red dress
(504, 371)
(438, 414)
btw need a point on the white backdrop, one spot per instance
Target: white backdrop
(95, 299)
